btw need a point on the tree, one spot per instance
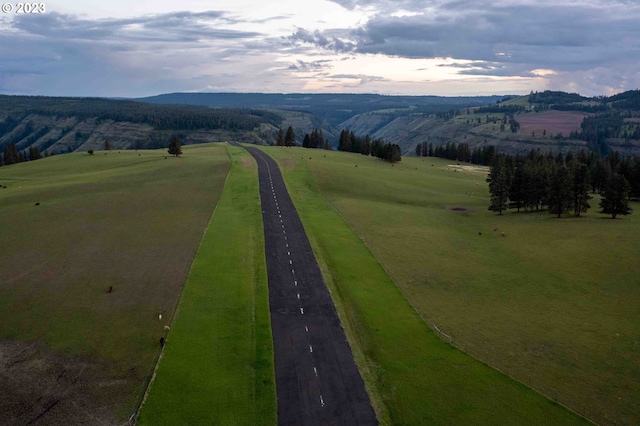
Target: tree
(581, 195)
(10, 154)
(280, 140)
(560, 194)
(90, 152)
(306, 141)
(107, 145)
(174, 146)
(290, 137)
(498, 186)
(419, 149)
(615, 200)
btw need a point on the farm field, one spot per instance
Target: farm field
(217, 363)
(70, 351)
(551, 122)
(412, 376)
(554, 303)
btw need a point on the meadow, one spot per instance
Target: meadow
(130, 220)
(554, 303)
(217, 364)
(412, 375)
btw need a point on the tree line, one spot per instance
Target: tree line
(458, 152)
(563, 184)
(11, 155)
(386, 151)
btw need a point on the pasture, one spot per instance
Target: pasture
(217, 365)
(72, 352)
(412, 376)
(554, 304)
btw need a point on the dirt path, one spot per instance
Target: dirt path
(317, 380)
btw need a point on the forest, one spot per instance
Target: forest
(563, 184)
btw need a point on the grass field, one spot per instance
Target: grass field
(131, 220)
(555, 303)
(217, 366)
(412, 376)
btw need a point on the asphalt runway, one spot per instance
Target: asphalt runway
(317, 380)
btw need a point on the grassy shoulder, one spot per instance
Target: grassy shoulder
(412, 376)
(71, 226)
(217, 366)
(554, 302)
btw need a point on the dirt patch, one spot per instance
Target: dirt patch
(468, 168)
(247, 162)
(461, 209)
(41, 387)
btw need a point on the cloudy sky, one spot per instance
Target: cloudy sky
(134, 48)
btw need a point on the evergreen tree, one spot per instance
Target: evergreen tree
(280, 138)
(306, 141)
(517, 188)
(290, 137)
(560, 194)
(10, 154)
(174, 146)
(419, 150)
(107, 145)
(581, 195)
(498, 186)
(615, 200)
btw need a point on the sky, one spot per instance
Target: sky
(135, 48)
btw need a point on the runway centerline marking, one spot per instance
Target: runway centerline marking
(315, 371)
(302, 311)
(310, 349)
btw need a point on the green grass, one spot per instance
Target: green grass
(412, 376)
(217, 366)
(555, 303)
(131, 220)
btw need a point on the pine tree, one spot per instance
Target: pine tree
(498, 186)
(615, 200)
(581, 195)
(306, 141)
(174, 146)
(290, 137)
(280, 140)
(107, 145)
(560, 194)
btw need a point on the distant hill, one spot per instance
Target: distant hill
(548, 120)
(57, 125)
(335, 108)
(555, 121)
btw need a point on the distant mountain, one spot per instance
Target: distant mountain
(335, 108)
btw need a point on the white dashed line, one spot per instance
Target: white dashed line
(302, 311)
(289, 253)
(315, 371)
(293, 271)
(310, 349)
(290, 262)
(298, 296)
(295, 282)
(321, 401)
(306, 328)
